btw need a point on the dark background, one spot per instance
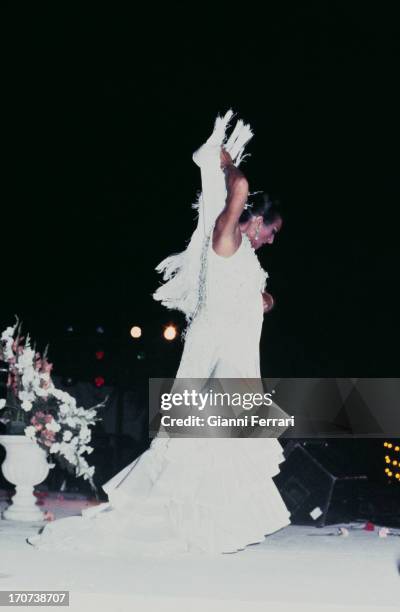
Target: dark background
(104, 110)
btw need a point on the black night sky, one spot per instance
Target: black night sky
(103, 114)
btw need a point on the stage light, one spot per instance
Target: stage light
(100, 329)
(170, 332)
(392, 461)
(136, 331)
(99, 381)
(99, 355)
(70, 329)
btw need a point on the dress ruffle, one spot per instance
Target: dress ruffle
(182, 495)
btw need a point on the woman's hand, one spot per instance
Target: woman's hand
(268, 301)
(226, 159)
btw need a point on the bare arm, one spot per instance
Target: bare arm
(268, 301)
(227, 235)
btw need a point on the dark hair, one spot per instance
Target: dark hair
(261, 204)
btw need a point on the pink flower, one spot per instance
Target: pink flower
(369, 526)
(47, 367)
(12, 382)
(48, 435)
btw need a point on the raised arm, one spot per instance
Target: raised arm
(227, 235)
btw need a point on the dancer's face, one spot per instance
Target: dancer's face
(266, 233)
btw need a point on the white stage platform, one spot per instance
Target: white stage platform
(295, 569)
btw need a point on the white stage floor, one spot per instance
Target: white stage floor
(297, 568)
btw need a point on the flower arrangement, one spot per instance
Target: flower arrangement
(41, 411)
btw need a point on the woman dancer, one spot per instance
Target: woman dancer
(198, 494)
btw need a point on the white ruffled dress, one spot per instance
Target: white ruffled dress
(195, 495)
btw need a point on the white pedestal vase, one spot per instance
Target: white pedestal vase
(25, 466)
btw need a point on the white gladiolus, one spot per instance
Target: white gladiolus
(68, 452)
(71, 422)
(41, 392)
(83, 432)
(64, 409)
(8, 342)
(8, 334)
(7, 350)
(26, 396)
(88, 473)
(53, 426)
(83, 449)
(67, 435)
(2, 403)
(26, 405)
(28, 376)
(84, 469)
(26, 358)
(64, 396)
(30, 431)
(58, 394)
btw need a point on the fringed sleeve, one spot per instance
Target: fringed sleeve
(182, 272)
